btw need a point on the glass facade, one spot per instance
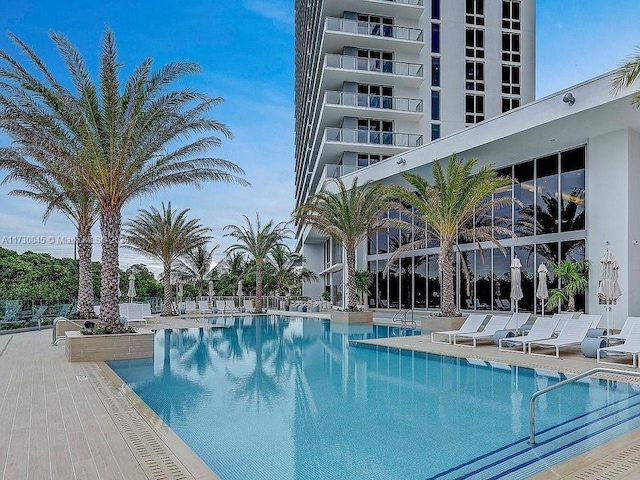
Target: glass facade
(547, 216)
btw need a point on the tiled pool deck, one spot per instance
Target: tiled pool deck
(60, 420)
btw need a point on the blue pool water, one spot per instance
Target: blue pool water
(290, 398)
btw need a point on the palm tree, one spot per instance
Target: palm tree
(53, 189)
(627, 74)
(349, 217)
(232, 269)
(574, 279)
(165, 236)
(287, 270)
(135, 137)
(445, 211)
(196, 267)
(258, 241)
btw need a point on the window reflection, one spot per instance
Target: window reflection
(467, 289)
(394, 285)
(501, 280)
(420, 281)
(434, 282)
(527, 274)
(573, 189)
(483, 280)
(373, 290)
(406, 275)
(547, 195)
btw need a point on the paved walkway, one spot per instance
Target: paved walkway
(75, 421)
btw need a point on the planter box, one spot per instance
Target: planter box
(351, 317)
(96, 348)
(440, 324)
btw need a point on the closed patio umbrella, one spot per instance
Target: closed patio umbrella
(609, 290)
(119, 291)
(132, 288)
(211, 292)
(516, 279)
(542, 292)
(239, 292)
(180, 291)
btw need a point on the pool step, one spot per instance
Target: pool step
(517, 460)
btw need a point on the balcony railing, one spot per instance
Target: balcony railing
(372, 137)
(373, 65)
(337, 171)
(407, 2)
(349, 99)
(376, 29)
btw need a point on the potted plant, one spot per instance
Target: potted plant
(574, 279)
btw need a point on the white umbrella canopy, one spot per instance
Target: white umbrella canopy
(542, 292)
(132, 287)
(516, 281)
(609, 290)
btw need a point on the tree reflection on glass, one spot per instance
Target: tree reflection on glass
(542, 219)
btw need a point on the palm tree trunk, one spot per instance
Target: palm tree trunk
(445, 260)
(167, 308)
(85, 286)
(571, 307)
(258, 286)
(351, 278)
(110, 220)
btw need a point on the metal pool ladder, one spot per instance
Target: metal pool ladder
(57, 320)
(402, 317)
(593, 371)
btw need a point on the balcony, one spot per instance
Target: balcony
(338, 105)
(368, 70)
(336, 171)
(388, 141)
(411, 9)
(375, 36)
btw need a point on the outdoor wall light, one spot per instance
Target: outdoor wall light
(401, 161)
(569, 99)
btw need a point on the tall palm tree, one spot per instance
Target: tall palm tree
(136, 137)
(57, 193)
(348, 216)
(287, 270)
(197, 267)
(445, 211)
(627, 74)
(165, 236)
(232, 269)
(258, 241)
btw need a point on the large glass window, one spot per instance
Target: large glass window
(381, 286)
(503, 205)
(573, 190)
(395, 238)
(406, 279)
(527, 275)
(483, 280)
(501, 280)
(435, 71)
(394, 284)
(575, 251)
(547, 195)
(434, 282)
(435, 38)
(524, 192)
(435, 105)
(435, 131)
(336, 256)
(420, 281)
(435, 9)
(336, 288)
(467, 289)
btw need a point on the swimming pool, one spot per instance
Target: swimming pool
(291, 398)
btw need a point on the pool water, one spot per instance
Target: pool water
(291, 398)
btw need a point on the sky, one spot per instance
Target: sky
(246, 51)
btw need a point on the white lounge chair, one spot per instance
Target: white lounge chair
(631, 346)
(542, 329)
(220, 305)
(563, 318)
(496, 322)
(470, 325)
(190, 306)
(248, 306)
(573, 333)
(203, 306)
(626, 329)
(137, 313)
(517, 320)
(230, 306)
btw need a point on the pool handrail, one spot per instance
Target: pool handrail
(536, 394)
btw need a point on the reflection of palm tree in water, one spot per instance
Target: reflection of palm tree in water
(198, 355)
(544, 221)
(185, 394)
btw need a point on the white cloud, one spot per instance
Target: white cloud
(278, 10)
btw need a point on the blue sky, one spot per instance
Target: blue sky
(245, 49)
